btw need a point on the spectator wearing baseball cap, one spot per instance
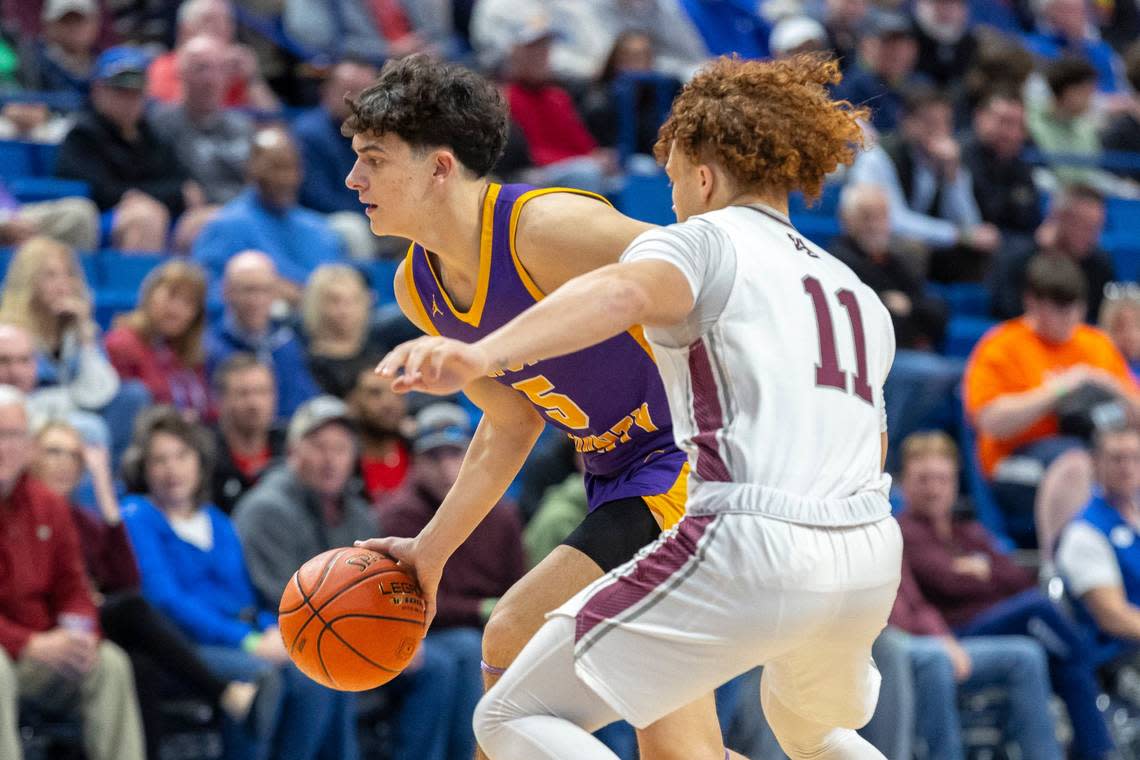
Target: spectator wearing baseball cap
(308, 504)
(560, 148)
(479, 572)
(134, 172)
(797, 34)
(888, 54)
(66, 54)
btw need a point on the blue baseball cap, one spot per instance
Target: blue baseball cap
(121, 66)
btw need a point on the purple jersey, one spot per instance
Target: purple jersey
(609, 398)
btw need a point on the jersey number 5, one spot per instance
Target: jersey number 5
(558, 406)
(828, 373)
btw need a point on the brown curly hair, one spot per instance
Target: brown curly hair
(434, 104)
(770, 124)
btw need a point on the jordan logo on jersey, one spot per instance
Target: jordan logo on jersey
(435, 310)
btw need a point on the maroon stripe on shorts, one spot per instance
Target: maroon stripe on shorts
(707, 414)
(649, 573)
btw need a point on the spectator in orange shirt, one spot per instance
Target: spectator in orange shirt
(1021, 380)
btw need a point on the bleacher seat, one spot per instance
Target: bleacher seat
(1124, 247)
(89, 262)
(381, 275)
(963, 332)
(821, 229)
(33, 189)
(118, 280)
(827, 203)
(964, 299)
(16, 159)
(44, 155)
(46, 736)
(986, 508)
(647, 197)
(1122, 214)
(118, 271)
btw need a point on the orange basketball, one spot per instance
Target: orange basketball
(351, 619)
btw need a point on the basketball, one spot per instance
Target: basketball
(351, 619)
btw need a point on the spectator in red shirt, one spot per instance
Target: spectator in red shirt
(381, 417)
(979, 591)
(158, 651)
(478, 573)
(248, 441)
(160, 342)
(247, 88)
(559, 144)
(940, 663)
(51, 649)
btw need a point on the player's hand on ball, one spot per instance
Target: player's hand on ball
(425, 570)
(434, 365)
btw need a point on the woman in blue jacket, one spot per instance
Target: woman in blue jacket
(193, 570)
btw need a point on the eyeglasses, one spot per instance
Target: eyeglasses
(62, 452)
(1120, 291)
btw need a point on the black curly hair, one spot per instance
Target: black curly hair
(431, 104)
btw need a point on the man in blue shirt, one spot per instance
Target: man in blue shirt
(1099, 555)
(266, 217)
(1065, 29)
(328, 159)
(888, 53)
(327, 154)
(249, 286)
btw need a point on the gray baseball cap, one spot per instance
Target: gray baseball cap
(314, 414)
(442, 426)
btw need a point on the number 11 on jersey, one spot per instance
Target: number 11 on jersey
(828, 373)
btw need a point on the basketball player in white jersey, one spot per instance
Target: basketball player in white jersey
(773, 355)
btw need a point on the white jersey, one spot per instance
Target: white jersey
(775, 379)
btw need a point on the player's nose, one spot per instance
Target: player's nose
(352, 181)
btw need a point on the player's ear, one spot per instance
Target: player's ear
(706, 182)
(445, 165)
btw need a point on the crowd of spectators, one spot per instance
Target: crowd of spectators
(174, 462)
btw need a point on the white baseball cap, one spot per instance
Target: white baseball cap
(793, 31)
(54, 10)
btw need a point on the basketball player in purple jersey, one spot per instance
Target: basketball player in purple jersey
(426, 134)
(773, 355)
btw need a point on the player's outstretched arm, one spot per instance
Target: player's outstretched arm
(502, 441)
(585, 311)
(501, 444)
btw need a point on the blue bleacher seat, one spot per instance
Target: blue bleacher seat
(89, 261)
(44, 155)
(986, 508)
(5, 257)
(1124, 248)
(646, 197)
(380, 276)
(117, 281)
(33, 189)
(1122, 215)
(821, 229)
(118, 271)
(826, 205)
(16, 159)
(964, 299)
(963, 332)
